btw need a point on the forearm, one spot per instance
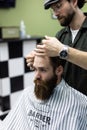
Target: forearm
(77, 57)
(52, 46)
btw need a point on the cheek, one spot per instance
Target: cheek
(69, 10)
(47, 76)
(66, 10)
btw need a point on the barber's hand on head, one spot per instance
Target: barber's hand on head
(30, 59)
(50, 46)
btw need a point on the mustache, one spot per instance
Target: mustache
(59, 17)
(39, 81)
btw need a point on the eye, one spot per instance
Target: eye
(58, 6)
(43, 70)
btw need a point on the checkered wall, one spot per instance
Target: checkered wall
(14, 74)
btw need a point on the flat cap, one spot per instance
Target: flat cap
(48, 3)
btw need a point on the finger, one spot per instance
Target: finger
(40, 54)
(47, 37)
(29, 61)
(39, 51)
(30, 64)
(31, 68)
(40, 46)
(45, 41)
(29, 57)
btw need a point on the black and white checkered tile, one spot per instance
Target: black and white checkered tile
(14, 74)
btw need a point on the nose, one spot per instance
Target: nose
(56, 13)
(37, 75)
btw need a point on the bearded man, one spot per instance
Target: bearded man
(51, 104)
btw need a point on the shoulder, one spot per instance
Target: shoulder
(78, 98)
(72, 93)
(61, 32)
(77, 102)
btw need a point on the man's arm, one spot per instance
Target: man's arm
(51, 47)
(77, 57)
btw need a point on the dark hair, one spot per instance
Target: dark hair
(80, 3)
(56, 61)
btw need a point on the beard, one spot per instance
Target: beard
(44, 89)
(65, 21)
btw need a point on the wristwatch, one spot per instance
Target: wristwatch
(63, 53)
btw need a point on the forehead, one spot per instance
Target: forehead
(41, 61)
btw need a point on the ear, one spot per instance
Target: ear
(75, 2)
(59, 71)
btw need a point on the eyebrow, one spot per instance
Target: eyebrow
(41, 67)
(55, 4)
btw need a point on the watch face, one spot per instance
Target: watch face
(63, 54)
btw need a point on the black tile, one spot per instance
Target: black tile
(15, 49)
(4, 69)
(3, 116)
(17, 83)
(26, 68)
(5, 103)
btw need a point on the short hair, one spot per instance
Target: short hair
(80, 3)
(56, 61)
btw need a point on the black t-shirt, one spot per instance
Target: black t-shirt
(73, 74)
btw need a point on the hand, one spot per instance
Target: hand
(50, 47)
(30, 59)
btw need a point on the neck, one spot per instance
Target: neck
(77, 20)
(59, 80)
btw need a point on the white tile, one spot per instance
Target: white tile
(14, 98)
(28, 79)
(16, 67)
(28, 46)
(4, 55)
(5, 86)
